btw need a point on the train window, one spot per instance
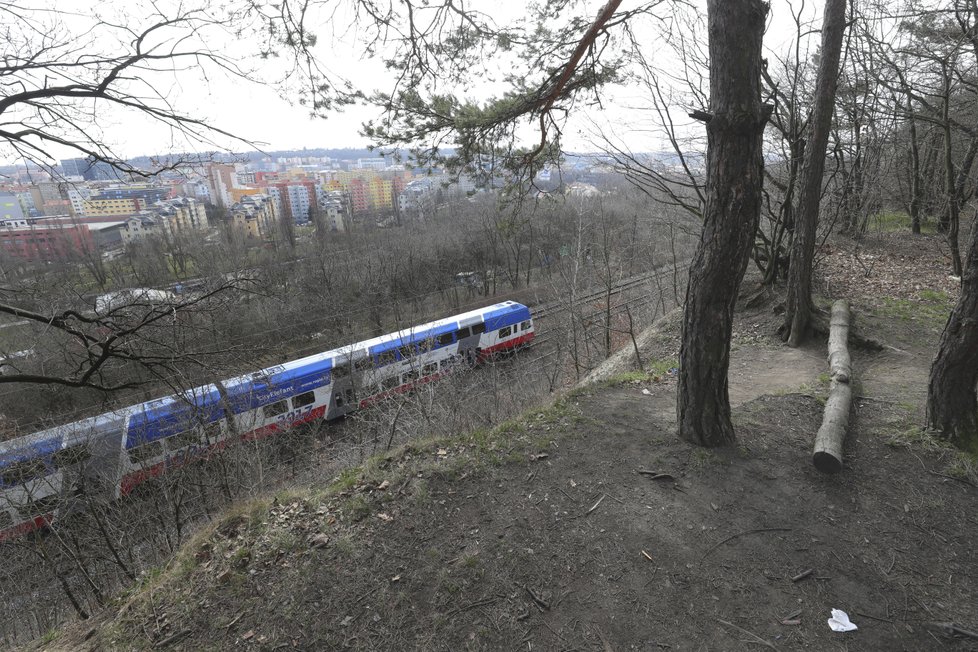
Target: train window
(464, 332)
(385, 358)
(429, 369)
(275, 409)
(71, 455)
(22, 472)
(525, 326)
(390, 383)
(445, 339)
(212, 432)
(39, 507)
(342, 371)
(182, 440)
(505, 332)
(364, 364)
(409, 377)
(405, 351)
(478, 328)
(426, 345)
(6, 520)
(302, 400)
(146, 452)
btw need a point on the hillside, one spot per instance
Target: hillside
(587, 524)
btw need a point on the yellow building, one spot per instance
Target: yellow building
(380, 194)
(254, 216)
(111, 207)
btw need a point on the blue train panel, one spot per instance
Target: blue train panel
(263, 389)
(160, 419)
(506, 316)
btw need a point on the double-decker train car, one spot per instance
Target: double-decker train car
(113, 453)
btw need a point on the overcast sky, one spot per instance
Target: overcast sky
(259, 114)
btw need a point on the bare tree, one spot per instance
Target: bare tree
(799, 305)
(735, 126)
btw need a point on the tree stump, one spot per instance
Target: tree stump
(828, 442)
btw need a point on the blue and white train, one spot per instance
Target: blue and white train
(113, 453)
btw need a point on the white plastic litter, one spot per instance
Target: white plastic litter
(839, 622)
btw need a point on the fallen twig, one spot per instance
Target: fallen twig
(872, 617)
(655, 475)
(647, 555)
(169, 640)
(595, 506)
(541, 604)
(745, 533)
(755, 637)
(950, 629)
(802, 575)
(951, 477)
(472, 605)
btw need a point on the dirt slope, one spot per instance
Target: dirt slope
(544, 535)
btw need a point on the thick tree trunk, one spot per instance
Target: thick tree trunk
(733, 202)
(799, 305)
(952, 403)
(827, 456)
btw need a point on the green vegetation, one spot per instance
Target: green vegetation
(897, 222)
(932, 308)
(654, 369)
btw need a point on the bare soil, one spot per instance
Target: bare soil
(587, 525)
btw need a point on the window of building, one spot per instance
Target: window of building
(275, 409)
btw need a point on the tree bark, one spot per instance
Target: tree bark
(799, 305)
(734, 178)
(827, 456)
(952, 399)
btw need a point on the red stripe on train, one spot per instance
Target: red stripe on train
(21, 529)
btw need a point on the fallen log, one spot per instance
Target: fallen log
(828, 442)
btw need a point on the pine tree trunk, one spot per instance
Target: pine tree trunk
(799, 305)
(733, 201)
(952, 403)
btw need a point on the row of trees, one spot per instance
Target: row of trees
(905, 71)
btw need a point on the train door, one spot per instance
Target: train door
(469, 337)
(343, 394)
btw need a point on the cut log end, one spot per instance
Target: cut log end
(826, 462)
(827, 456)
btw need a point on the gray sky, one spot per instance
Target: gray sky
(259, 114)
